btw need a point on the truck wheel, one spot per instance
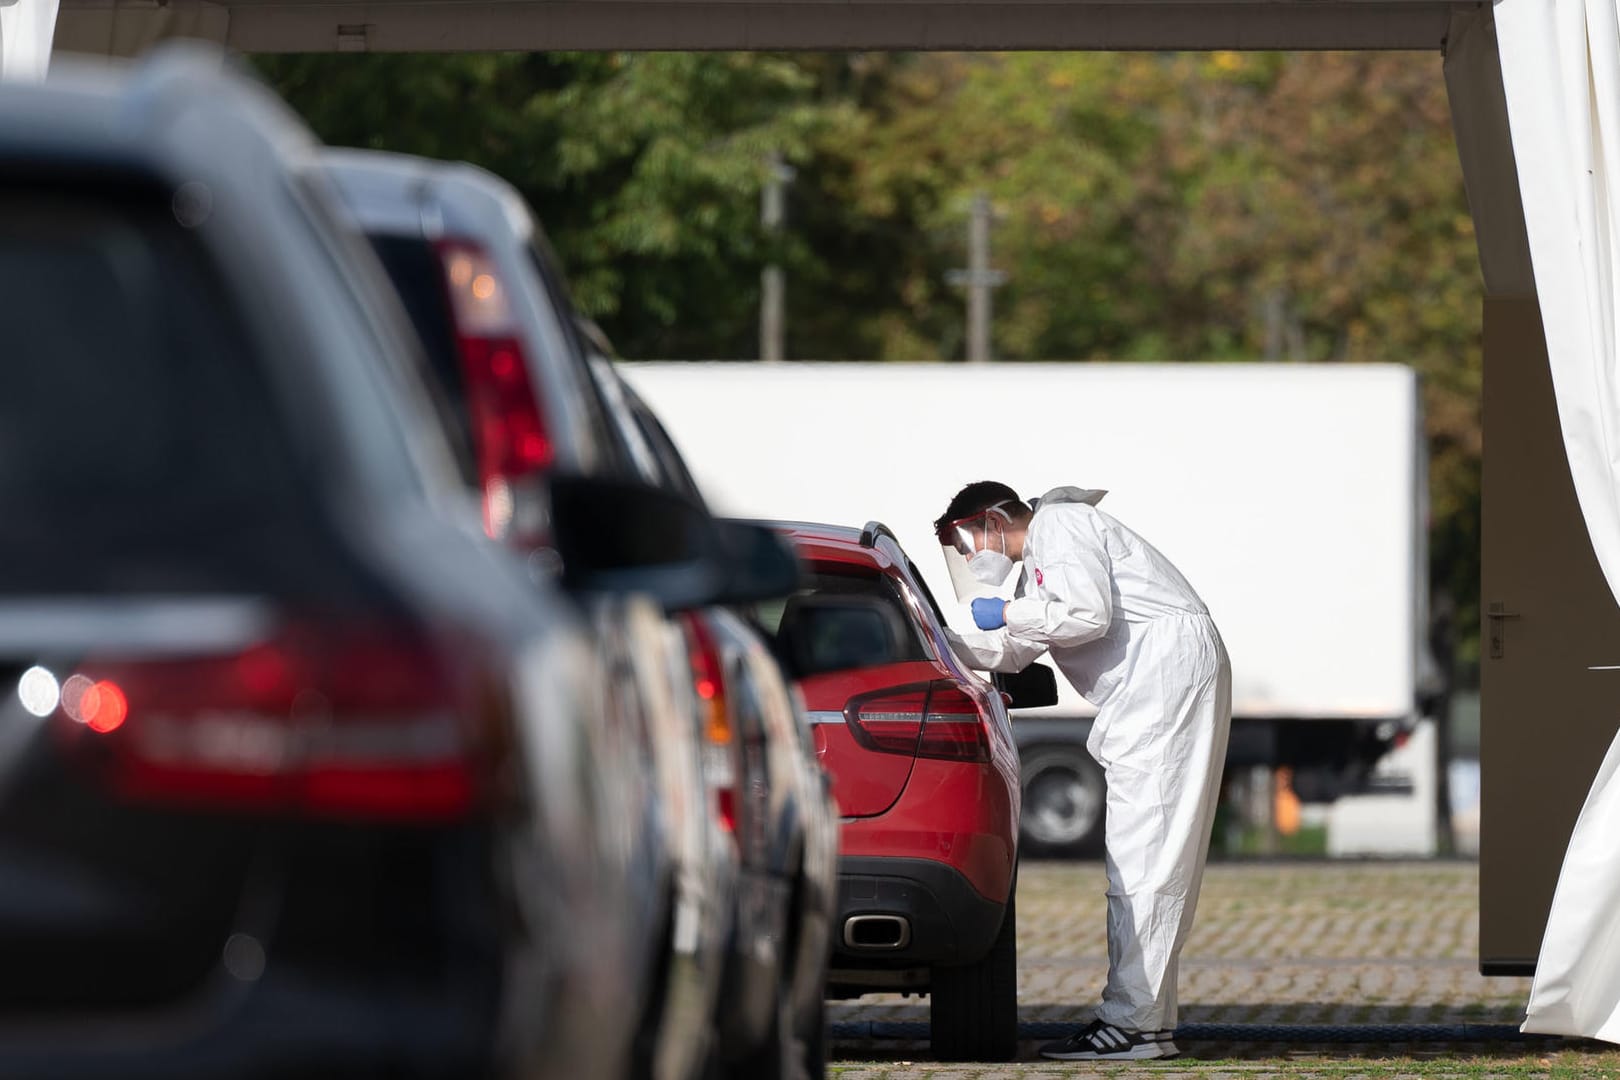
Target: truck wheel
(973, 1008)
(1064, 802)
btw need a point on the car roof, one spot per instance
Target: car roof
(160, 117)
(835, 543)
(403, 193)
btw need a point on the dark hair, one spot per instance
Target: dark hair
(979, 495)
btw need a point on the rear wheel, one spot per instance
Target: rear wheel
(973, 1008)
(1064, 800)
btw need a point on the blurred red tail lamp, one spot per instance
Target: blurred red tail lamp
(104, 707)
(509, 433)
(351, 720)
(719, 739)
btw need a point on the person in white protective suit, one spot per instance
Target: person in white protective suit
(1133, 637)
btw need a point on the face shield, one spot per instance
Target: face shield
(975, 548)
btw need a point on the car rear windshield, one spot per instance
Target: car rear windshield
(846, 618)
(414, 268)
(134, 417)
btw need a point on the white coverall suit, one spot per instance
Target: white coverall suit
(1133, 637)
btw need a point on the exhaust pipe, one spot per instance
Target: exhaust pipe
(877, 932)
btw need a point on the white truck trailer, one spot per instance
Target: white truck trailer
(1293, 497)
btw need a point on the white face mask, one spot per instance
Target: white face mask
(990, 567)
(970, 545)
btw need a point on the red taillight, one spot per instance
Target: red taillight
(889, 721)
(508, 431)
(506, 415)
(934, 720)
(361, 721)
(104, 706)
(953, 729)
(709, 684)
(725, 805)
(100, 706)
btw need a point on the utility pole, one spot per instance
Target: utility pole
(979, 280)
(772, 201)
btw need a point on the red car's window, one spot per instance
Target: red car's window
(847, 618)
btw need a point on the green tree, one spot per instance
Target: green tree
(644, 168)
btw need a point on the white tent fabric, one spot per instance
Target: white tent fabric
(1561, 74)
(26, 29)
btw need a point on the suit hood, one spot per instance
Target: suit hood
(1089, 496)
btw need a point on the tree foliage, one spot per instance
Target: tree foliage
(1176, 207)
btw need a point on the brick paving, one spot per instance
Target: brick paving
(1274, 943)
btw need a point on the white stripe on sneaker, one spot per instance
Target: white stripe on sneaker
(1105, 1042)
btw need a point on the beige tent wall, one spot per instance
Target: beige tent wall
(1546, 720)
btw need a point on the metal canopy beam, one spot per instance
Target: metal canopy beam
(127, 26)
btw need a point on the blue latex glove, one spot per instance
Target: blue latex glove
(989, 612)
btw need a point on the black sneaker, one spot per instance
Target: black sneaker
(1098, 1041)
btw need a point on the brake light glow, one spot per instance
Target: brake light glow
(104, 707)
(725, 805)
(934, 720)
(709, 684)
(708, 680)
(509, 434)
(357, 721)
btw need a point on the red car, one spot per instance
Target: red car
(925, 771)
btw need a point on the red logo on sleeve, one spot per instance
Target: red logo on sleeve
(1038, 579)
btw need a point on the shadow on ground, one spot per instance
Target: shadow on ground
(885, 1051)
(1381, 1032)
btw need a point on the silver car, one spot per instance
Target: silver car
(499, 338)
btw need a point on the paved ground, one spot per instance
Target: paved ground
(1275, 943)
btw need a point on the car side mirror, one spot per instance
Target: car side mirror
(1033, 688)
(761, 562)
(620, 536)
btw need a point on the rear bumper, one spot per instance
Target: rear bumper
(360, 951)
(281, 1026)
(942, 858)
(949, 921)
